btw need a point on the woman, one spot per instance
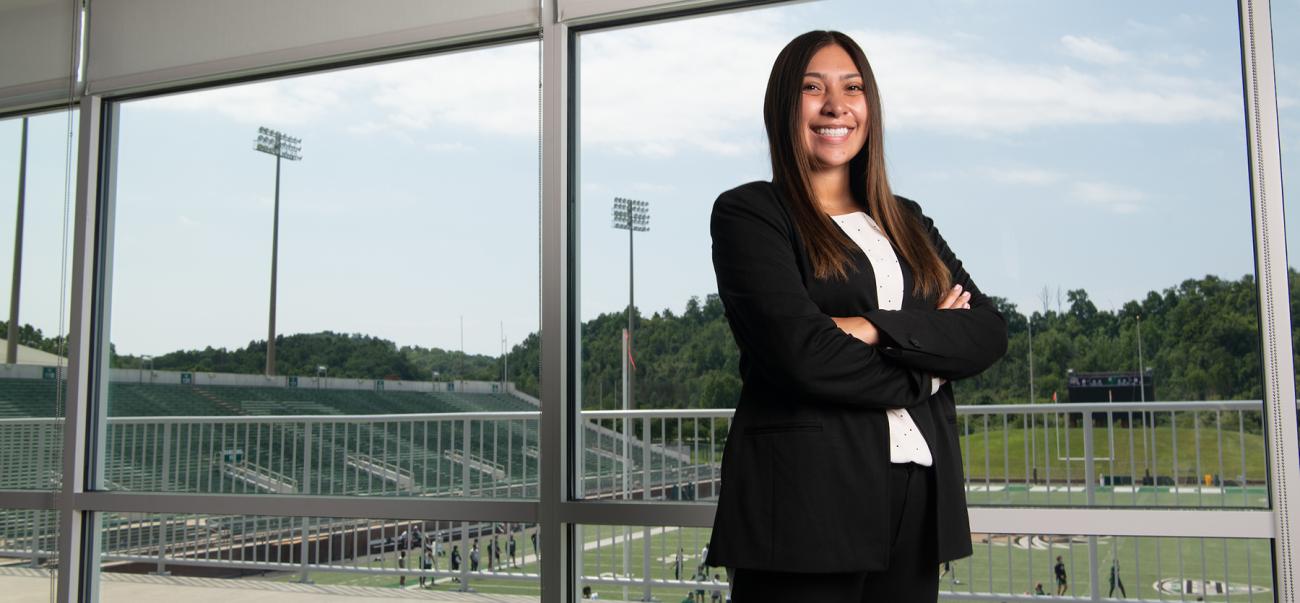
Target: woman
(851, 315)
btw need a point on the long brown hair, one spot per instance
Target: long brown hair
(828, 247)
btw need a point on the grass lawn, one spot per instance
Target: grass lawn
(1057, 452)
(1000, 564)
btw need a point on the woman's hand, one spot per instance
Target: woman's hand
(955, 299)
(861, 328)
(858, 327)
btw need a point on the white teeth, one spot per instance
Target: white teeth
(833, 131)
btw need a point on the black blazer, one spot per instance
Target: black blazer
(805, 483)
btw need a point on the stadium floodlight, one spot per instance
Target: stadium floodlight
(633, 216)
(11, 345)
(275, 142)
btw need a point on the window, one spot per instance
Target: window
(36, 165)
(1086, 164)
(403, 256)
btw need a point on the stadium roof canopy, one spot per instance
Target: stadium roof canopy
(30, 355)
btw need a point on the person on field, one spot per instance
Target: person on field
(1115, 579)
(455, 561)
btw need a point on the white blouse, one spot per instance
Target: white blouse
(906, 443)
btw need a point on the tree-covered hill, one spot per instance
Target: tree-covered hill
(1200, 338)
(343, 355)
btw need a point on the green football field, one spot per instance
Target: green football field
(1150, 568)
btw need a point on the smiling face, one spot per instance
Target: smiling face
(833, 109)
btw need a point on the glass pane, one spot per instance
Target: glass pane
(629, 563)
(38, 152)
(384, 229)
(1155, 568)
(36, 164)
(644, 563)
(1077, 159)
(302, 559)
(1185, 454)
(1286, 70)
(27, 554)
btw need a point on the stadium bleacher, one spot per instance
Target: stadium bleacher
(427, 456)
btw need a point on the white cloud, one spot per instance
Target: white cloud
(1093, 51)
(448, 147)
(928, 84)
(1190, 60)
(651, 187)
(1118, 199)
(698, 84)
(1145, 29)
(695, 84)
(1020, 175)
(492, 91)
(275, 104)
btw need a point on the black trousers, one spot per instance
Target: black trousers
(913, 574)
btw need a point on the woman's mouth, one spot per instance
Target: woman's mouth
(834, 133)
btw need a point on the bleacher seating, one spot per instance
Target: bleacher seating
(136, 450)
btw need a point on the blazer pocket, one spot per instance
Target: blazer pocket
(783, 428)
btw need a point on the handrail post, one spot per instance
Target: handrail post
(40, 473)
(303, 577)
(645, 496)
(1090, 486)
(464, 526)
(36, 539)
(161, 568)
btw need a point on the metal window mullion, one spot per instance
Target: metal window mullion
(79, 539)
(1264, 156)
(558, 582)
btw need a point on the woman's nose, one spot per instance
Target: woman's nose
(834, 105)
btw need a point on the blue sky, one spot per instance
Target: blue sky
(1081, 145)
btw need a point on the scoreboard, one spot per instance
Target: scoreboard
(1119, 386)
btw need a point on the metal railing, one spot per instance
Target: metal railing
(1185, 455)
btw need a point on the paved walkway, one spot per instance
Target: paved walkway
(33, 586)
(26, 585)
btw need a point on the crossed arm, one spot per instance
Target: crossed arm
(951, 345)
(861, 328)
(882, 360)
(791, 342)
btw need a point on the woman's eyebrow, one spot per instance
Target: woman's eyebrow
(822, 76)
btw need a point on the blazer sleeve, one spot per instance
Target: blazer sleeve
(952, 344)
(776, 322)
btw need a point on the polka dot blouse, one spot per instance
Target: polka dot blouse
(906, 444)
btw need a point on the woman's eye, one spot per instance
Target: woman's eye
(855, 87)
(811, 87)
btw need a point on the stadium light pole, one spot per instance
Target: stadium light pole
(11, 346)
(1030, 322)
(505, 358)
(274, 142)
(1142, 384)
(633, 216)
